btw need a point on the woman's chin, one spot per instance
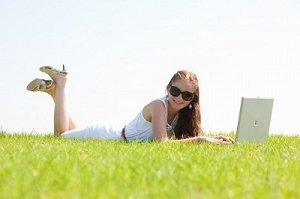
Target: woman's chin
(177, 105)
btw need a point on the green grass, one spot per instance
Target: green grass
(49, 167)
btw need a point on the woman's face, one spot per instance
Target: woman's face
(184, 99)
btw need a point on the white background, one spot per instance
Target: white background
(121, 54)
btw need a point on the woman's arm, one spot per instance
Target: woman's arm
(213, 140)
(155, 113)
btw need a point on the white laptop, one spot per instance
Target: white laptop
(254, 120)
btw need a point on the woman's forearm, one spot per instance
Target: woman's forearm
(199, 139)
(194, 139)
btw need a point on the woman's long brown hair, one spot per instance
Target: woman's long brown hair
(189, 120)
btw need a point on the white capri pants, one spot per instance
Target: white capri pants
(106, 130)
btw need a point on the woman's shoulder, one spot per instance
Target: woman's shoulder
(160, 101)
(154, 107)
(157, 103)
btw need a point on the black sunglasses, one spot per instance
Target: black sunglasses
(187, 96)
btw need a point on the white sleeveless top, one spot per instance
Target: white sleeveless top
(139, 129)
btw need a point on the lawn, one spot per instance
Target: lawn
(34, 166)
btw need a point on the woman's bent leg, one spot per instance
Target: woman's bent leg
(61, 110)
(72, 123)
(62, 120)
(57, 90)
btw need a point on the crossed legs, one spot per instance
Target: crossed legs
(63, 121)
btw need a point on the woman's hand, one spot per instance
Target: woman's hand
(219, 140)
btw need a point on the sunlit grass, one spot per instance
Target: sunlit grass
(51, 167)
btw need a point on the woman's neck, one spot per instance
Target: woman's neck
(171, 112)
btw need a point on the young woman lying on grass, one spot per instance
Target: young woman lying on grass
(176, 115)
